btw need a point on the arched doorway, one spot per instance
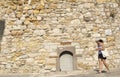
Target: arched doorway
(66, 61)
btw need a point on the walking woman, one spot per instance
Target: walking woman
(101, 58)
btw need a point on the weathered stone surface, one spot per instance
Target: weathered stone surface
(34, 31)
(108, 32)
(75, 22)
(39, 32)
(110, 38)
(16, 33)
(53, 55)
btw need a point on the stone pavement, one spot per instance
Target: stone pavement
(113, 73)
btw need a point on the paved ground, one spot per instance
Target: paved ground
(113, 73)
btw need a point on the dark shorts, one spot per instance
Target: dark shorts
(100, 56)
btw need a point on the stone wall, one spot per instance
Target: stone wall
(34, 32)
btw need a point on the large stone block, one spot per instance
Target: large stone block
(26, 8)
(101, 1)
(90, 53)
(14, 7)
(18, 14)
(53, 6)
(110, 38)
(72, 0)
(53, 55)
(52, 0)
(108, 32)
(95, 29)
(16, 33)
(36, 11)
(84, 66)
(12, 22)
(96, 35)
(9, 11)
(26, 22)
(75, 22)
(39, 32)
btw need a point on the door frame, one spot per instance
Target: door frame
(60, 50)
(65, 53)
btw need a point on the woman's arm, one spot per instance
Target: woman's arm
(102, 47)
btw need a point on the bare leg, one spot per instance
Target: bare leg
(100, 65)
(106, 65)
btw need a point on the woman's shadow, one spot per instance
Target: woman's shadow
(103, 71)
